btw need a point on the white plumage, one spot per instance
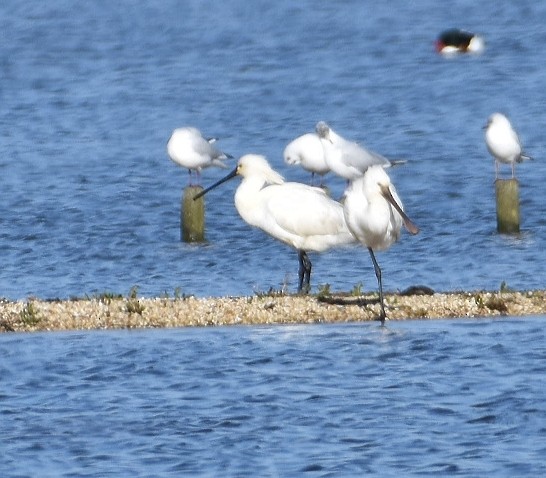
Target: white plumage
(307, 152)
(189, 149)
(374, 215)
(302, 216)
(346, 158)
(503, 142)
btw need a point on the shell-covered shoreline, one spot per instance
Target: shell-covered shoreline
(107, 312)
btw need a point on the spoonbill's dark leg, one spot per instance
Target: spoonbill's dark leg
(304, 273)
(377, 269)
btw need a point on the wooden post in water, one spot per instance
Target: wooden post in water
(192, 216)
(507, 193)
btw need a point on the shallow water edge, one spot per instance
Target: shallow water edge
(118, 312)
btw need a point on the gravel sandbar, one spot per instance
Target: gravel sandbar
(132, 312)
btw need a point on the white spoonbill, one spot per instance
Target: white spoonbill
(374, 214)
(307, 151)
(189, 149)
(301, 216)
(347, 158)
(503, 143)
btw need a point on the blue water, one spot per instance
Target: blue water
(90, 92)
(420, 398)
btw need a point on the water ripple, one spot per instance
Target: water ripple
(91, 202)
(268, 401)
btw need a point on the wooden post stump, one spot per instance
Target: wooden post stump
(192, 216)
(507, 194)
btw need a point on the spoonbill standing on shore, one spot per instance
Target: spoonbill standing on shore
(346, 158)
(503, 143)
(301, 216)
(189, 149)
(306, 150)
(374, 214)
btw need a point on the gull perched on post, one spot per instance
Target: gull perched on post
(503, 143)
(188, 148)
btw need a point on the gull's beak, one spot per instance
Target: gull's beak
(386, 192)
(217, 183)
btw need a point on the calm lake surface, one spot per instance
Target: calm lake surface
(90, 92)
(418, 398)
